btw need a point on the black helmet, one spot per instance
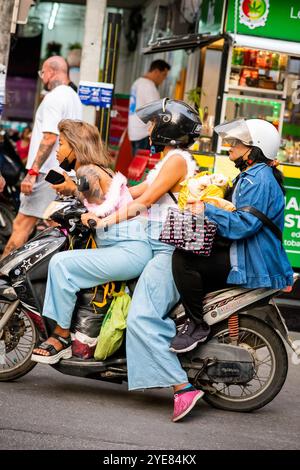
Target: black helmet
(176, 123)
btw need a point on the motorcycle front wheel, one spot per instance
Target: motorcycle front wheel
(18, 339)
(270, 367)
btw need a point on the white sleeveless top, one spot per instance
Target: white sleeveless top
(158, 211)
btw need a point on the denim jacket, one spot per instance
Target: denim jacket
(257, 257)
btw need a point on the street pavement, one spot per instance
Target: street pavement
(48, 410)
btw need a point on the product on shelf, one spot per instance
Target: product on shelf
(259, 59)
(283, 62)
(261, 86)
(266, 82)
(252, 68)
(238, 56)
(275, 61)
(289, 151)
(234, 79)
(245, 73)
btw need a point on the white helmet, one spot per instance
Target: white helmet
(253, 132)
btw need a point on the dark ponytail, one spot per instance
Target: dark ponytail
(257, 156)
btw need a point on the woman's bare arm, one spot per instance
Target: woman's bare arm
(173, 171)
(138, 190)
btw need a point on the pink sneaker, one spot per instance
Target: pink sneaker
(184, 402)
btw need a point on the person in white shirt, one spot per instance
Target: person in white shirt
(143, 91)
(60, 103)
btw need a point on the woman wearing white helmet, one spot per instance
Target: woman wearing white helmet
(253, 256)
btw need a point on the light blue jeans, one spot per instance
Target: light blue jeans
(149, 329)
(125, 252)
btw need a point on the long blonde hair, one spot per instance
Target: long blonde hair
(86, 142)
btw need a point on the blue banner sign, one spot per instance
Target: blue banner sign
(96, 93)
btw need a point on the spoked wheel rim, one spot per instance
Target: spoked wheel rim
(264, 366)
(17, 338)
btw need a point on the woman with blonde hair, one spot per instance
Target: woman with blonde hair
(80, 144)
(123, 253)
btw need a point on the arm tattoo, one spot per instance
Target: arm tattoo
(94, 192)
(93, 175)
(43, 153)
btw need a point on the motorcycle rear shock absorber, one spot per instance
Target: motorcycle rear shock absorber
(233, 327)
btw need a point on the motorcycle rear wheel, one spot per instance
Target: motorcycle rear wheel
(19, 338)
(258, 338)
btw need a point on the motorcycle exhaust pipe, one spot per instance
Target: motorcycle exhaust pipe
(9, 312)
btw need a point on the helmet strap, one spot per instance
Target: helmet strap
(68, 165)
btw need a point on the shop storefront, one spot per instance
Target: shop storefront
(263, 73)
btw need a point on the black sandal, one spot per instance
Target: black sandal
(54, 355)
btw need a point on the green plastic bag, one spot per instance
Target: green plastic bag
(113, 326)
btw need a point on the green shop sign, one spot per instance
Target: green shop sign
(265, 18)
(291, 233)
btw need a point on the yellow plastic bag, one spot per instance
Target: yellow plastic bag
(205, 187)
(113, 326)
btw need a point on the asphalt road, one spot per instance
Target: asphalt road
(48, 410)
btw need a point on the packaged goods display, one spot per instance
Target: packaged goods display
(264, 84)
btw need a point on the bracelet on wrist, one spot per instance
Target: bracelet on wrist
(33, 172)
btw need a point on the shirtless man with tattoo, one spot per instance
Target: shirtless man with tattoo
(61, 102)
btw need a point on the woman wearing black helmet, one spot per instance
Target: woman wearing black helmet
(174, 126)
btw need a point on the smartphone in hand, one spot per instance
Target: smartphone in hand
(54, 177)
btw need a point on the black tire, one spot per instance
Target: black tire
(25, 365)
(8, 216)
(279, 371)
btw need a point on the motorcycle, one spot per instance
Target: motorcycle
(242, 366)
(9, 203)
(13, 171)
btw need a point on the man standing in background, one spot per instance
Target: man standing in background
(60, 103)
(143, 91)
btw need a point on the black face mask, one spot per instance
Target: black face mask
(68, 166)
(241, 164)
